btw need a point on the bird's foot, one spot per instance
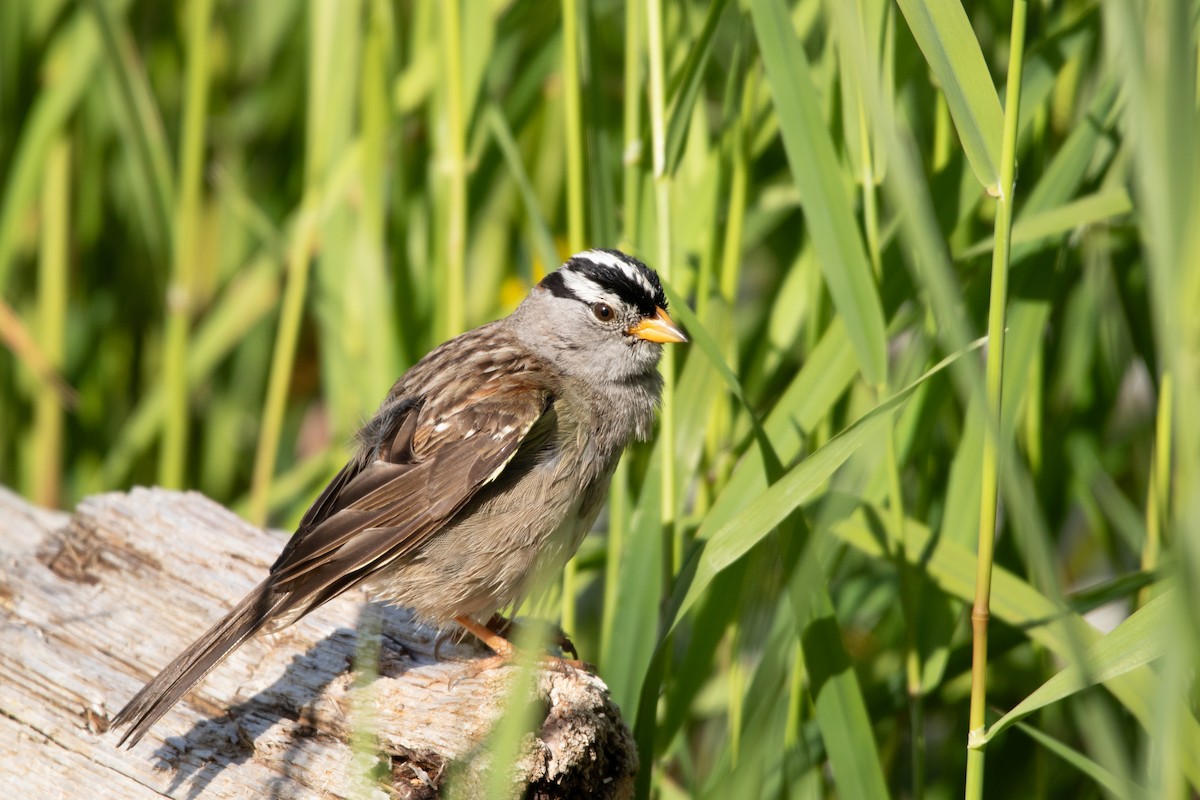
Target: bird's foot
(473, 669)
(505, 653)
(502, 626)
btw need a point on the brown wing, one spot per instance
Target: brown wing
(430, 460)
(422, 460)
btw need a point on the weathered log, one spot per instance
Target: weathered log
(94, 603)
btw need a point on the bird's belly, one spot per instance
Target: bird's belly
(494, 554)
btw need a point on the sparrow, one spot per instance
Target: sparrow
(477, 478)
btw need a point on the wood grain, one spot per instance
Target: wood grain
(94, 603)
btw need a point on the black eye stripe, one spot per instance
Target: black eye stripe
(558, 287)
(629, 289)
(630, 282)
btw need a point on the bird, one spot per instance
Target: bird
(478, 476)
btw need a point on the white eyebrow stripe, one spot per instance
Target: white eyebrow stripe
(585, 288)
(616, 262)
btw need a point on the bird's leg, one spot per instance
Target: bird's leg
(503, 626)
(499, 624)
(500, 646)
(505, 651)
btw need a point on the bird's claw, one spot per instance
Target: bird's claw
(474, 669)
(502, 626)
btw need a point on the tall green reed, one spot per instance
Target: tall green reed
(814, 181)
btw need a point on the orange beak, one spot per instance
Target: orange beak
(659, 328)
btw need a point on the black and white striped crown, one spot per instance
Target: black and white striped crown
(589, 275)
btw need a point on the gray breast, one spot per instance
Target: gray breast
(515, 535)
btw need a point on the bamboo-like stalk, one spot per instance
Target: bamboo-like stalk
(303, 235)
(1158, 495)
(282, 358)
(573, 133)
(631, 188)
(618, 503)
(573, 125)
(989, 469)
(739, 190)
(662, 196)
(51, 324)
(149, 138)
(187, 223)
(454, 164)
(672, 542)
(730, 268)
(909, 589)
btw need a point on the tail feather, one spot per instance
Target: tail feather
(192, 665)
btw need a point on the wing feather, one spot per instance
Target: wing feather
(421, 459)
(385, 510)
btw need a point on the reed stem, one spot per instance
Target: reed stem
(989, 469)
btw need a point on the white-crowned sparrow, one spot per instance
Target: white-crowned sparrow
(479, 475)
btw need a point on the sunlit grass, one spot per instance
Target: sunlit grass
(230, 226)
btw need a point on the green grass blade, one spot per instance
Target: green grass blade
(639, 594)
(452, 147)
(185, 245)
(79, 46)
(543, 241)
(823, 190)
(724, 545)
(1037, 227)
(46, 472)
(1114, 784)
(945, 36)
(840, 709)
(1138, 640)
(690, 83)
(150, 145)
(1018, 604)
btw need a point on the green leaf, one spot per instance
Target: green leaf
(690, 83)
(1072, 216)
(823, 191)
(78, 48)
(1020, 605)
(721, 547)
(840, 709)
(1138, 640)
(638, 593)
(542, 239)
(875, 18)
(1105, 778)
(944, 35)
(142, 119)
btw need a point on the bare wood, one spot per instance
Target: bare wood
(95, 603)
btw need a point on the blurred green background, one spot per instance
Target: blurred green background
(226, 227)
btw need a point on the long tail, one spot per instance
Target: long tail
(191, 666)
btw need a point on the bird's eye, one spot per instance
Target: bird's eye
(603, 312)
